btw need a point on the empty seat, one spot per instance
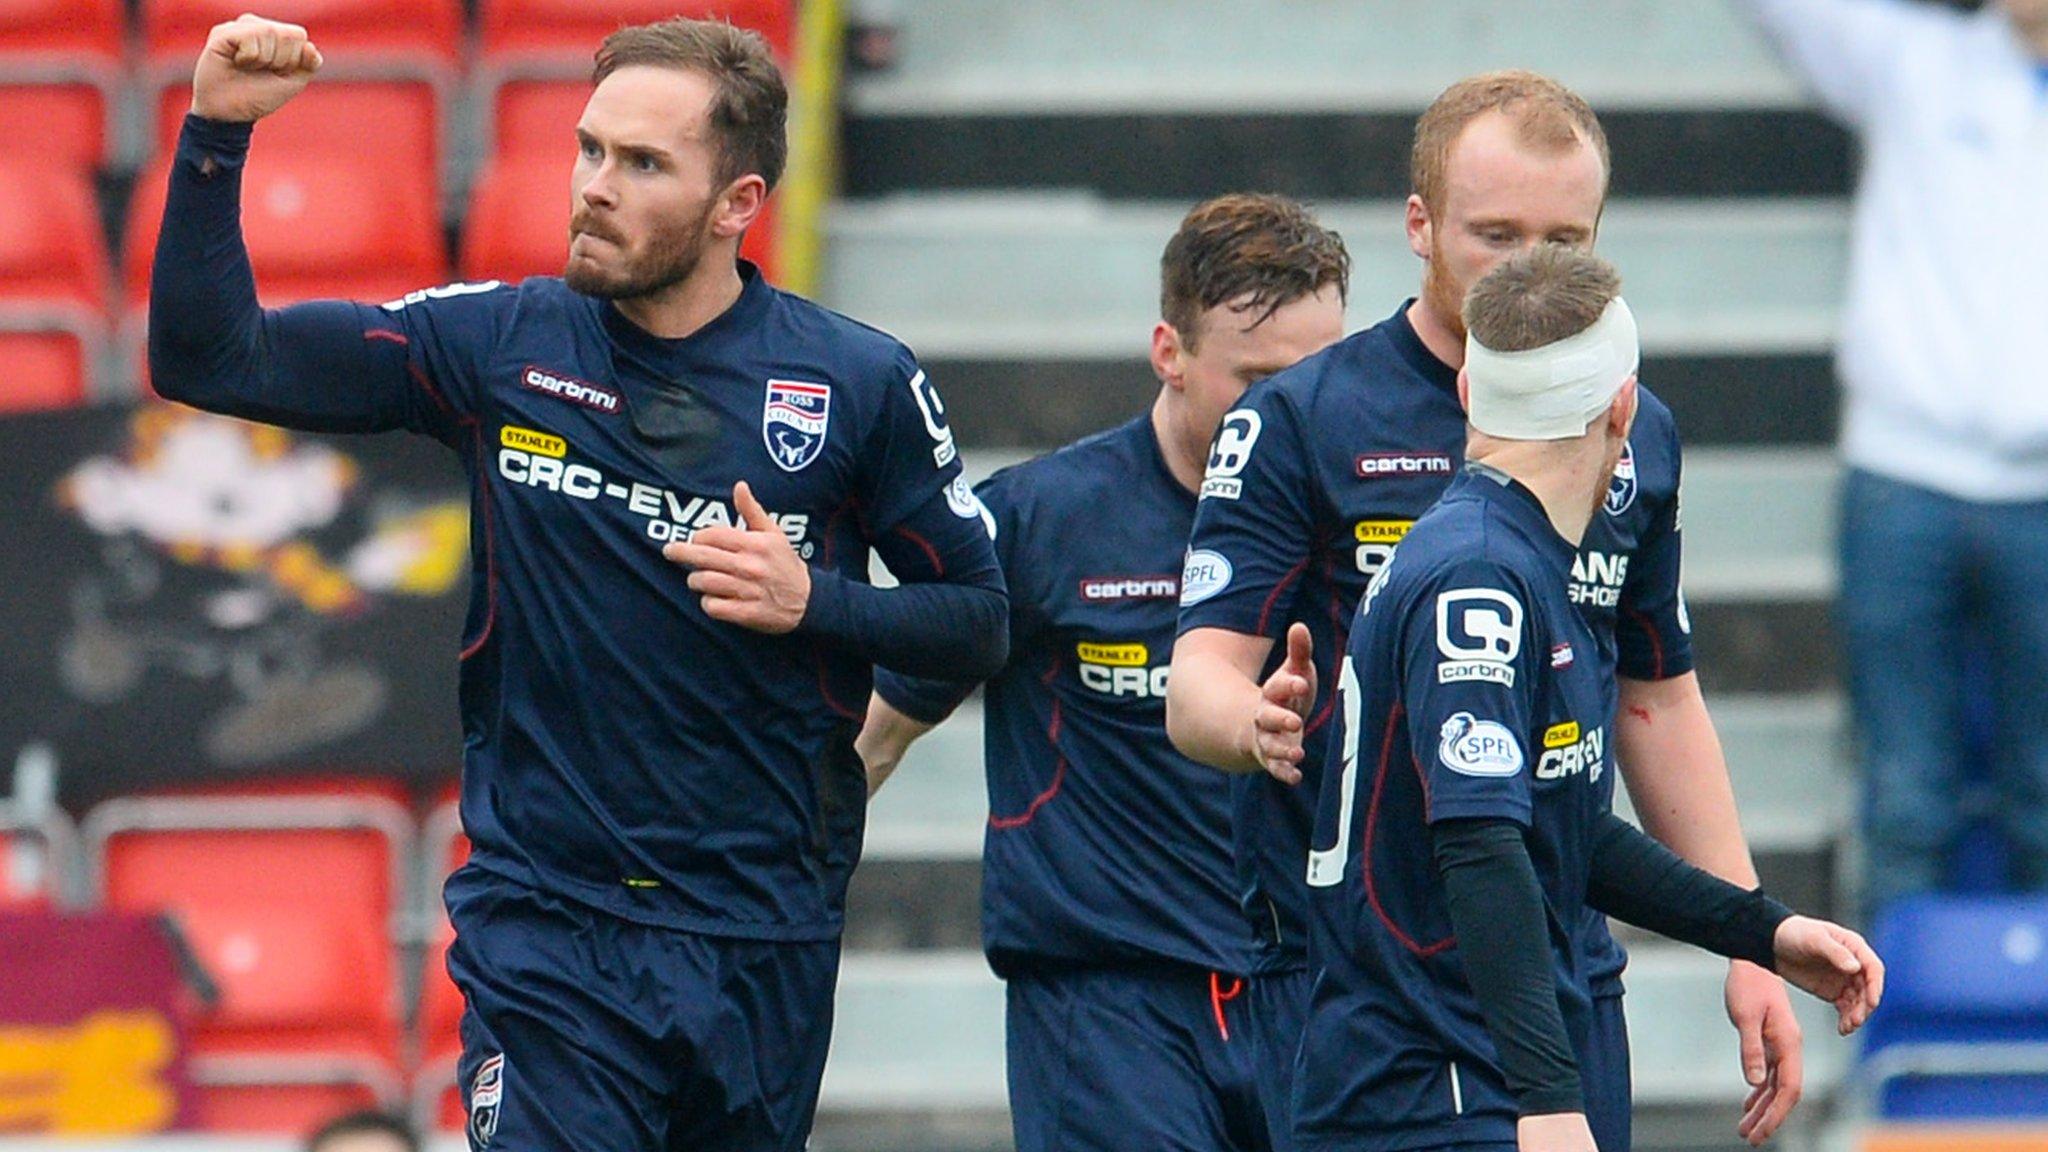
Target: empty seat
(352, 33)
(518, 220)
(1964, 1029)
(538, 116)
(317, 226)
(65, 123)
(55, 36)
(51, 248)
(574, 28)
(288, 903)
(396, 122)
(48, 366)
(279, 1108)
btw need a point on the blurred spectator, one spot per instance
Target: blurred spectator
(1944, 361)
(364, 1132)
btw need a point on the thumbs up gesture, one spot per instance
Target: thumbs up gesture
(748, 574)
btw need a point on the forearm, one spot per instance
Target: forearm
(1497, 910)
(1635, 879)
(885, 736)
(1677, 775)
(1210, 705)
(213, 346)
(943, 631)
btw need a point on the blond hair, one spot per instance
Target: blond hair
(1548, 117)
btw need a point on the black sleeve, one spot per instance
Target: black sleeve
(947, 620)
(1637, 880)
(1497, 912)
(311, 367)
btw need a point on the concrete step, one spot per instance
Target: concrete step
(1049, 276)
(1091, 56)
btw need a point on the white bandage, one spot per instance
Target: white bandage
(1552, 392)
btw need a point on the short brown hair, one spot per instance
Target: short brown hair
(750, 108)
(1548, 116)
(1538, 297)
(1263, 248)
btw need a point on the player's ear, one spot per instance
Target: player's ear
(1421, 229)
(1464, 390)
(1621, 414)
(1166, 355)
(740, 205)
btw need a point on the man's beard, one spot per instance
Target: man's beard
(671, 255)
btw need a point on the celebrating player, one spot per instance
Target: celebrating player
(678, 472)
(1108, 895)
(1464, 830)
(1319, 473)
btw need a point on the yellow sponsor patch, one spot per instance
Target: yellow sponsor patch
(1383, 531)
(1114, 655)
(1561, 735)
(528, 440)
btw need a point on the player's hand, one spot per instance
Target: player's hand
(748, 574)
(1773, 1063)
(250, 67)
(1284, 702)
(1834, 964)
(1554, 1132)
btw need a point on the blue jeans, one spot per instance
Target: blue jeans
(1922, 574)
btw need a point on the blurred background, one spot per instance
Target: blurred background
(229, 691)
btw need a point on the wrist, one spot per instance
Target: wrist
(825, 607)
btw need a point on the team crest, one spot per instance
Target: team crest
(793, 422)
(1621, 490)
(486, 1096)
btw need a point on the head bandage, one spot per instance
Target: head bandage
(1552, 392)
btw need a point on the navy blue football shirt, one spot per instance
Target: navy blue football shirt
(1315, 477)
(1470, 688)
(621, 748)
(1104, 845)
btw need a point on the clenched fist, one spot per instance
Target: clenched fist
(250, 68)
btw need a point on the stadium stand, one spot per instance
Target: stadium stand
(288, 896)
(68, 121)
(436, 1104)
(358, 35)
(53, 286)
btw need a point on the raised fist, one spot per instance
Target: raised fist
(251, 67)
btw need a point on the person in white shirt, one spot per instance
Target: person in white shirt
(1943, 357)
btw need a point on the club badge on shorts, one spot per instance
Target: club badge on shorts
(486, 1096)
(793, 421)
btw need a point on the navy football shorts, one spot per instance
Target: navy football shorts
(587, 1033)
(1116, 1059)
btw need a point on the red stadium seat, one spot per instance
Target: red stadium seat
(573, 28)
(62, 33)
(317, 226)
(538, 116)
(46, 368)
(288, 902)
(67, 122)
(350, 33)
(51, 247)
(396, 122)
(518, 221)
(281, 1108)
